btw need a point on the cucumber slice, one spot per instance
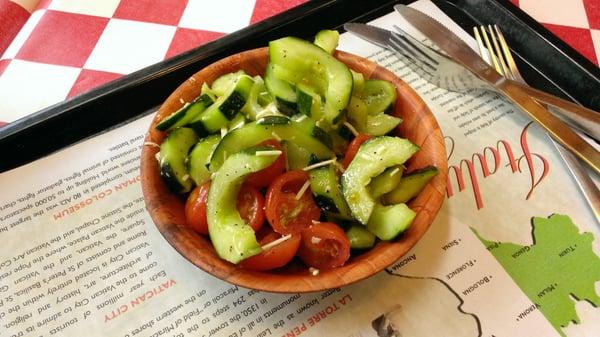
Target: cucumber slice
(173, 153)
(225, 107)
(372, 158)
(258, 98)
(290, 75)
(339, 142)
(237, 122)
(199, 157)
(309, 126)
(297, 157)
(381, 124)
(387, 222)
(378, 95)
(224, 82)
(233, 239)
(283, 92)
(357, 114)
(359, 83)
(186, 113)
(386, 182)
(309, 102)
(327, 39)
(277, 127)
(410, 185)
(324, 183)
(360, 237)
(312, 64)
(372, 124)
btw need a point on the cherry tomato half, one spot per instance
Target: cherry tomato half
(285, 213)
(264, 177)
(195, 208)
(353, 148)
(274, 257)
(250, 204)
(324, 245)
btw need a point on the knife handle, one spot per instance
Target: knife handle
(552, 124)
(581, 118)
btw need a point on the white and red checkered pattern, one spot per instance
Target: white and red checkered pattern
(66, 47)
(577, 22)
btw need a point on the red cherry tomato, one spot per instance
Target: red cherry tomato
(274, 257)
(195, 208)
(264, 177)
(353, 148)
(285, 213)
(251, 205)
(324, 245)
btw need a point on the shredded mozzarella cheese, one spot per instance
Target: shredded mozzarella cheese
(301, 118)
(351, 128)
(319, 164)
(152, 144)
(302, 190)
(277, 138)
(276, 242)
(268, 153)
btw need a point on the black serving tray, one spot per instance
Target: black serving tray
(546, 62)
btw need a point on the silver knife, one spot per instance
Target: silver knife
(460, 52)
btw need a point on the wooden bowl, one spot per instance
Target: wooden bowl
(167, 209)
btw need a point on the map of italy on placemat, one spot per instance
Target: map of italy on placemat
(557, 245)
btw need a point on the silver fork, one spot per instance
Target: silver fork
(500, 57)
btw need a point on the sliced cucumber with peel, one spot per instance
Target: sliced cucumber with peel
(324, 183)
(225, 107)
(378, 95)
(199, 157)
(172, 157)
(410, 185)
(233, 239)
(360, 237)
(327, 40)
(307, 62)
(272, 127)
(386, 182)
(387, 222)
(221, 85)
(373, 158)
(283, 93)
(186, 113)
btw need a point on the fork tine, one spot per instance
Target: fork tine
(482, 52)
(410, 58)
(400, 45)
(508, 55)
(421, 48)
(499, 53)
(432, 54)
(490, 50)
(423, 69)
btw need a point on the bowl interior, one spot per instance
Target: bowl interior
(167, 209)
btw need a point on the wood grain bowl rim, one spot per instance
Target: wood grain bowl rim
(167, 209)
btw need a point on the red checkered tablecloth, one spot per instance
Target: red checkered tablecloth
(55, 49)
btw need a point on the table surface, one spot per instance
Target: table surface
(45, 61)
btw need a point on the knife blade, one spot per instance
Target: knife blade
(460, 52)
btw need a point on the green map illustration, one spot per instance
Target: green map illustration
(560, 265)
